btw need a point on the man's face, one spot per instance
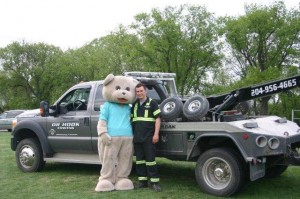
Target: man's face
(140, 92)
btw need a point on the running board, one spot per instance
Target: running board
(74, 158)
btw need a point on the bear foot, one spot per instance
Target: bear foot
(124, 184)
(104, 185)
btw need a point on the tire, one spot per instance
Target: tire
(29, 155)
(220, 172)
(243, 107)
(171, 108)
(275, 171)
(195, 107)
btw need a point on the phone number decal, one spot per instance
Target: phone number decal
(273, 87)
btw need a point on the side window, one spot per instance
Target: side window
(76, 100)
(152, 93)
(99, 100)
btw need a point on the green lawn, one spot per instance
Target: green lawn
(78, 181)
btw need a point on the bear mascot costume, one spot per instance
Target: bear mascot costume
(115, 145)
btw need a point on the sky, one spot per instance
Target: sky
(73, 23)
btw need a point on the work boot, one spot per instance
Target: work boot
(142, 184)
(156, 187)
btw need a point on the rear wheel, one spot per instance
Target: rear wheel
(29, 155)
(220, 172)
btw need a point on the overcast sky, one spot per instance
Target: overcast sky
(73, 23)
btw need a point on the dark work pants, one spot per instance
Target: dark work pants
(145, 161)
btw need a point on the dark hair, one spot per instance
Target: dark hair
(140, 85)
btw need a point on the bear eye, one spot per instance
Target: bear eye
(127, 88)
(118, 87)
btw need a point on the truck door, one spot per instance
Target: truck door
(70, 129)
(98, 102)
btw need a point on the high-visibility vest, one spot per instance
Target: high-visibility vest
(146, 114)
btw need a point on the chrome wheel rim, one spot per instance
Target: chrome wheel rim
(27, 156)
(217, 173)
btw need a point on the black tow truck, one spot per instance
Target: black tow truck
(228, 148)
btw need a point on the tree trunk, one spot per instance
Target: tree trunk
(264, 106)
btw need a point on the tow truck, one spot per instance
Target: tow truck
(228, 148)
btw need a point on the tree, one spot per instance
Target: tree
(266, 37)
(182, 40)
(117, 52)
(30, 72)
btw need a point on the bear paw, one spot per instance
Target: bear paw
(104, 185)
(124, 184)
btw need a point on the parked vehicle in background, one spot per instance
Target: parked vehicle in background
(7, 117)
(29, 113)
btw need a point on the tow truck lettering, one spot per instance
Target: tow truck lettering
(168, 126)
(273, 87)
(66, 124)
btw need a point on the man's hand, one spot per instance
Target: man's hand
(155, 138)
(106, 139)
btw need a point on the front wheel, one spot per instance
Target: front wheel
(219, 172)
(29, 155)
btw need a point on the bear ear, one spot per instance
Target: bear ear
(135, 81)
(108, 79)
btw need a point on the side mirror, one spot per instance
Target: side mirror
(44, 109)
(63, 108)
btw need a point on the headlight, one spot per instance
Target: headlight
(14, 123)
(273, 143)
(261, 141)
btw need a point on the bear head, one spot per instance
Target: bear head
(119, 89)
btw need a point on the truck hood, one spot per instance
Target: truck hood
(270, 125)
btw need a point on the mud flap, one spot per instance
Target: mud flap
(257, 171)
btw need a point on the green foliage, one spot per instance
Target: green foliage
(265, 37)
(183, 41)
(209, 55)
(30, 72)
(288, 101)
(74, 181)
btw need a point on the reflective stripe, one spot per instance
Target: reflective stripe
(149, 119)
(142, 178)
(146, 117)
(154, 179)
(156, 112)
(148, 103)
(135, 111)
(141, 162)
(151, 163)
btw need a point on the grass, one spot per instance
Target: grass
(74, 181)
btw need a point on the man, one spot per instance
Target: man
(146, 124)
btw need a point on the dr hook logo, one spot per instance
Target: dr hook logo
(52, 132)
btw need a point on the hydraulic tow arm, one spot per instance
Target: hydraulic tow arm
(229, 100)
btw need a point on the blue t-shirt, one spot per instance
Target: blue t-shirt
(117, 117)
